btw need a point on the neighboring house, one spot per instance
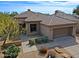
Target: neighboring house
(52, 26)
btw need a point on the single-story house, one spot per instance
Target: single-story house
(47, 25)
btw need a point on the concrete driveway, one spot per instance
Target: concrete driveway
(63, 42)
(73, 50)
(69, 43)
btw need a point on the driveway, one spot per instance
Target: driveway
(73, 50)
(69, 43)
(63, 41)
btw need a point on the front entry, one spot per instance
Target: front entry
(33, 27)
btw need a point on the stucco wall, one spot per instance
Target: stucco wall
(28, 28)
(77, 26)
(49, 31)
(46, 31)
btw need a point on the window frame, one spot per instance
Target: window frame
(33, 27)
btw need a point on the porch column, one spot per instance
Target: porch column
(27, 28)
(74, 31)
(51, 34)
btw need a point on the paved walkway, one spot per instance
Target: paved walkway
(24, 37)
(27, 48)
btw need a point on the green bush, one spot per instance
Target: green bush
(11, 52)
(44, 39)
(32, 42)
(40, 40)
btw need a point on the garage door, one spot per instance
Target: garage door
(60, 32)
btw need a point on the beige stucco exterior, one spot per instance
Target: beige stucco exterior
(59, 31)
(46, 31)
(77, 26)
(28, 28)
(53, 26)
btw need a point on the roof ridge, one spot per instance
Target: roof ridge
(65, 18)
(41, 13)
(36, 13)
(51, 20)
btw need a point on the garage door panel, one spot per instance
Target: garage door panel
(62, 32)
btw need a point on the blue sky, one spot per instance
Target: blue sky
(38, 6)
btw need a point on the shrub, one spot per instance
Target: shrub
(38, 41)
(32, 42)
(44, 39)
(11, 52)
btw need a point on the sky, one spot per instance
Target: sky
(46, 7)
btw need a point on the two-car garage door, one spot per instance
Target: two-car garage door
(60, 32)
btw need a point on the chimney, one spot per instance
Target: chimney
(29, 10)
(56, 12)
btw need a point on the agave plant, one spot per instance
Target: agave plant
(11, 52)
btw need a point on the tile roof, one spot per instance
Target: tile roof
(25, 14)
(66, 16)
(55, 19)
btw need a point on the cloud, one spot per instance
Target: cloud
(38, 6)
(40, 3)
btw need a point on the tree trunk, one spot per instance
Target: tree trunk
(7, 38)
(4, 42)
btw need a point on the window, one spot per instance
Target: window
(33, 28)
